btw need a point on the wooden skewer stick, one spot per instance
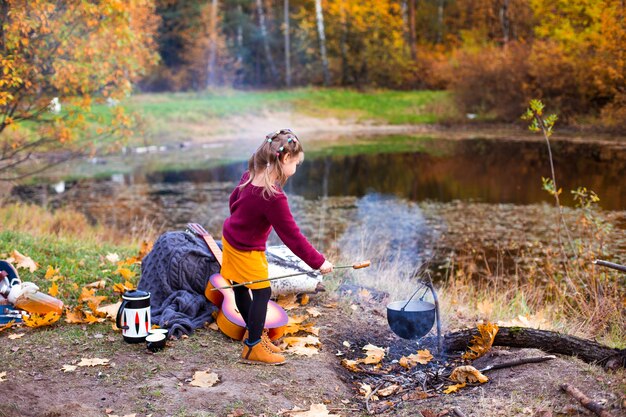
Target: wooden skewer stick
(609, 265)
(357, 265)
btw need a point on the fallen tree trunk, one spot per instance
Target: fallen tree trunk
(548, 341)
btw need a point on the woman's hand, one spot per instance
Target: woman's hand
(326, 268)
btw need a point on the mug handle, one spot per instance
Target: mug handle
(119, 316)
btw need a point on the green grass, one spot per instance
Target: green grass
(394, 107)
(391, 107)
(79, 261)
(159, 111)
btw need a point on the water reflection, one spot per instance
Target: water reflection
(490, 171)
(336, 196)
(483, 170)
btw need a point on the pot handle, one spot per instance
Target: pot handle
(119, 316)
(407, 303)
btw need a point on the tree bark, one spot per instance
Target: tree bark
(548, 341)
(412, 30)
(319, 17)
(287, 47)
(211, 77)
(344, 43)
(440, 4)
(303, 284)
(239, 38)
(504, 20)
(264, 37)
(4, 14)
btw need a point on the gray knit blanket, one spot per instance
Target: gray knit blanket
(176, 272)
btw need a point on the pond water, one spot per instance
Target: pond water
(403, 192)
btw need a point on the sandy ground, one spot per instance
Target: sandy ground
(141, 383)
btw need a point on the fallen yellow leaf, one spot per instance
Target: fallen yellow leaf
(69, 368)
(96, 284)
(86, 293)
(92, 362)
(51, 272)
(3, 376)
(39, 320)
(75, 315)
(453, 388)
(422, 357)
(317, 410)
(304, 300)
(122, 288)
(375, 354)
(93, 305)
(365, 390)
(288, 302)
(314, 312)
(54, 290)
(297, 319)
(110, 309)
(125, 273)
(303, 350)
(7, 326)
(90, 318)
(301, 341)
(16, 336)
(351, 365)
(481, 343)
(22, 261)
(204, 379)
(305, 346)
(467, 374)
(387, 391)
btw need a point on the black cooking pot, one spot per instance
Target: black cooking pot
(411, 319)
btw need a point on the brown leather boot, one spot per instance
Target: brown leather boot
(259, 354)
(266, 340)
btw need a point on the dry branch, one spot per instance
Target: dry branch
(517, 362)
(586, 401)
(457, 412)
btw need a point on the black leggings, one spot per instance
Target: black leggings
(253, 309)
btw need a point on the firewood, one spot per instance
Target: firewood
(302, 284)
(517, 362)
(586, 401)
(282, 261)
(548, 341)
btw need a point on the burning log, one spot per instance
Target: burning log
(548, 341)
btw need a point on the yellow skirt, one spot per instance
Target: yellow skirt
(243, 266)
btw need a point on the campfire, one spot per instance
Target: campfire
(387, 377)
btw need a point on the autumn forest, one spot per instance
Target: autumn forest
(493, 54)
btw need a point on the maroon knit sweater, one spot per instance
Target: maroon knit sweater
(252, 217)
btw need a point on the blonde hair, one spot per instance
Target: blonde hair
(270, 155)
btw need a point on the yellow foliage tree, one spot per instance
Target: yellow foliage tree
(368, 37)
(586, 38)
(58, 59)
